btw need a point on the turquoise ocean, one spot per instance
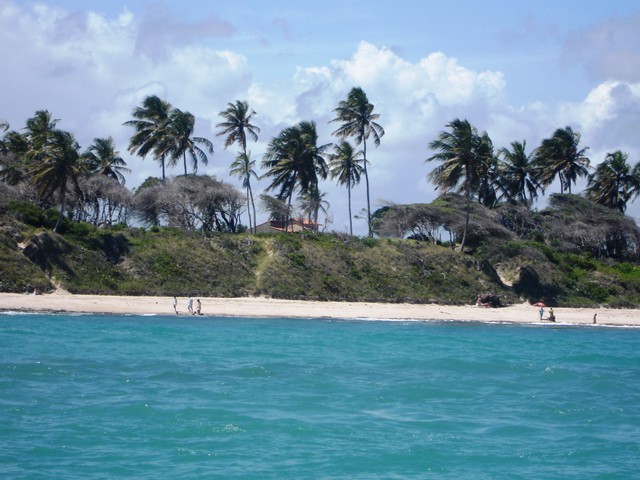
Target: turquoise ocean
(98, 396)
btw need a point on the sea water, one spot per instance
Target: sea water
(233, 398)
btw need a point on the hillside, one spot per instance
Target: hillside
(163, 261)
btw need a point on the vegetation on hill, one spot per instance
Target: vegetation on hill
(574, 253)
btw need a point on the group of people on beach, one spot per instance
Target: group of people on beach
(197, 311)
(551, 317)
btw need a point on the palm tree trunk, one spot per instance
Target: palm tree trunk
(253, 206)
(248, 209)
(350, 219)
(184, 159)
(63, 200)
(466, 221)
(366, 181)
(287, 214)
(162, 163)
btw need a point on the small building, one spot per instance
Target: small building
(295, 225)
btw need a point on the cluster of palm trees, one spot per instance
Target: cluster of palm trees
(50, 159)
(470, 165)
(295, 161)
(167, 133)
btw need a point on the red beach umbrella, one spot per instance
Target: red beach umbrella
(539, 304)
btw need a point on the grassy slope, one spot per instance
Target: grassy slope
(317, 267)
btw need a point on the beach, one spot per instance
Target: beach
(61, 301)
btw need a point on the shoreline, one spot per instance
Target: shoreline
(63, 302)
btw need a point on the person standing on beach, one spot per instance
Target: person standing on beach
(541, 313)
(175, 304)
(198, 307)
(594, 318)
(190, 305)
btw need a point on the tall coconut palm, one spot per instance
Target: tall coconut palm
(103, 159)
(614, 182)
(54, 166)
(314, 165)
(358, 121)
(461, 163)
(517, 174)
(180, 142)
(39, 129)
(295, 160)
(281, 160)
(486, 172)
(244, 167)
(345, 164)
(560, 156)
(151, 124)
(237, 125)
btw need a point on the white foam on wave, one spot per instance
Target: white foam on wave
(12, 312)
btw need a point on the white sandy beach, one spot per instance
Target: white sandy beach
(264, 307)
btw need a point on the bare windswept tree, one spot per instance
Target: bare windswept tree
(191, 203)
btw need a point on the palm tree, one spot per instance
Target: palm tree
(311, 203)
(295, 160)
(346, 165)
(517, 174)
(243, 167)
(151, 124)
(614, 182)
(460, 152)
(103, 159)
(14, 142)
(180, 142)
(559, 156)
(39, 129)
(13, 149)
(486, 172)
(358, 121)
(54, 165)
(237, 125)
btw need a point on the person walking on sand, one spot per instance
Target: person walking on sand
(175, 304)
(190, 305)
(198, 307)
(594, 318)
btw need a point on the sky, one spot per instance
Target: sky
(515, 69)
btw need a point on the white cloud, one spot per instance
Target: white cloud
(608, 50)
(608, 119)
(89, 70)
